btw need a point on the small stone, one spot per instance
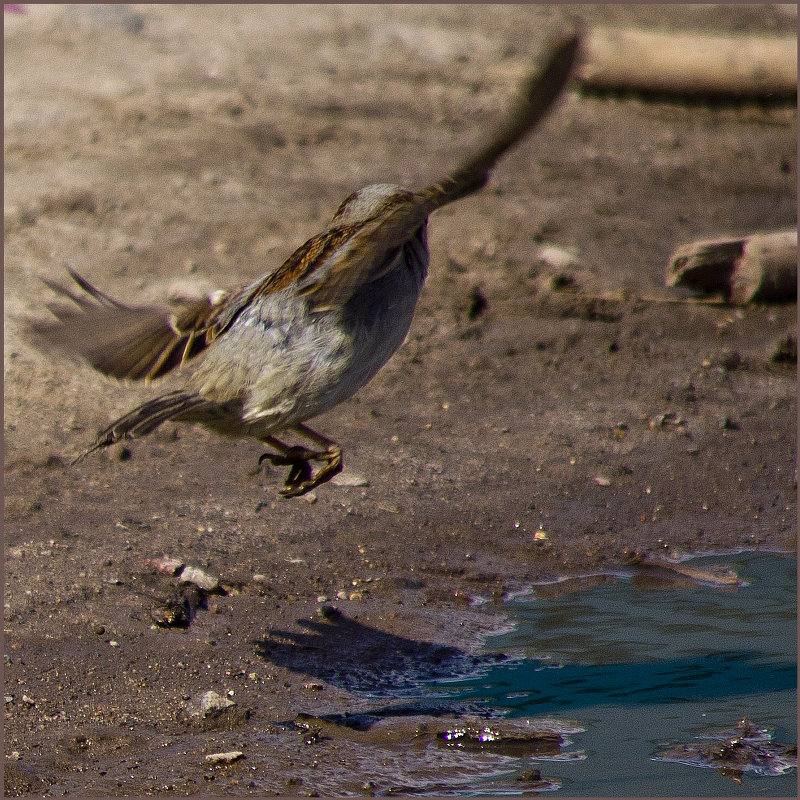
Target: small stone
(342, 595)
(313, 687)
(540, 536)
(349, 479)
(310, 497)
(224, 758)
(212, 711)
(259, 577)
(559, 257)
(208, 703)
(667, 418)
(99, 630)
(199, 578)
(113, 643)
(167, 565)
(9, 698)
(329, 612)
(601, 481)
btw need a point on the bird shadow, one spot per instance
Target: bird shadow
(367, 661)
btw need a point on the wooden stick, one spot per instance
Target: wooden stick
(767, 269)
(661, 62)
(757, 268)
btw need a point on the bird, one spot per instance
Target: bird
(297, 341)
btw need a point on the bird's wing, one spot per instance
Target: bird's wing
(363, 255)
(126, 342)
(303, 267)
(147, 342)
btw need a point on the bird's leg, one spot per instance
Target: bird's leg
(301, 479)
(296, 457)
(331, 456)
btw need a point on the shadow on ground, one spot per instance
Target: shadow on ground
(362, 659)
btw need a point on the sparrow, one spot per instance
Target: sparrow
(299, 340)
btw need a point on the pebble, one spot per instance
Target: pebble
(208, 703)
(559, 257)
(329, 612)
(349, 479)
(199, 578)
(667, 418)
(168, 566)
(224, 758)
(212, 711)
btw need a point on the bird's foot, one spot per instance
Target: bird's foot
(301, 477)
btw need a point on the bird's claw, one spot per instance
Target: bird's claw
(301, 477)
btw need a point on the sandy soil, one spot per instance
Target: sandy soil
(578, 420)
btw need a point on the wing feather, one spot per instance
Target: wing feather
(147, 342)
(366, 250)
(126, 342)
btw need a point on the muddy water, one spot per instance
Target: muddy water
(648, 671)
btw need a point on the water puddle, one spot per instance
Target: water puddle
(654, 684)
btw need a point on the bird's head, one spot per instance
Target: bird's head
(370, 202)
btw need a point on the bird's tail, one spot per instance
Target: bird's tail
(147, 417)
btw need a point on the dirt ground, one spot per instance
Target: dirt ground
(553, 410)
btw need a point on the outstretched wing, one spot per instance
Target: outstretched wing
(126, 342)
(147, 342)
(356, 261)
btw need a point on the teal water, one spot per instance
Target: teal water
(645, 670)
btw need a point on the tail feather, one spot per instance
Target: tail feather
(147, 417)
